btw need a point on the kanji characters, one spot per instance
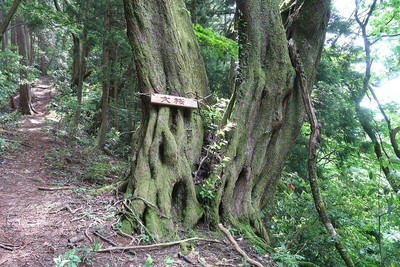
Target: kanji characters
(179, 101)
(165, 99)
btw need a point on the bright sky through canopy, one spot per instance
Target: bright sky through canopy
(389, 91)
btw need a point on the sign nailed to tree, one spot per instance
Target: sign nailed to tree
(171, 100)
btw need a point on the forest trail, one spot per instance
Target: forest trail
(35, 225)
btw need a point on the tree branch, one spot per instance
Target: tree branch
(10, 14)
(314, 140)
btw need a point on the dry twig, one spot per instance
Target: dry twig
(9, 247)
(3, 261)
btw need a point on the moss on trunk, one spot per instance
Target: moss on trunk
(267, 109)
(170, 140)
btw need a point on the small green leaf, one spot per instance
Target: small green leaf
(149, 262)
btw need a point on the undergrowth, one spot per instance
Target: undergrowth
(81, 161)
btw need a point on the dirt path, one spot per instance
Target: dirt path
(35, 225)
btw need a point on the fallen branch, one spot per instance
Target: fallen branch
(55, 188)
(237, 247)
(159, 244)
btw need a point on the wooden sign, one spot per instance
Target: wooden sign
(171, 100)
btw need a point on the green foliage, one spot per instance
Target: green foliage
(68, 259)
(217, 45)
(145, 238)
(168, 261)
(360, 202)
(75, 256)
(149, 262)
(209, 188)
(218, 53)
(10, 75)
(284, 258)
(82, 160)
(217, 15)
(212, 114)
(102, 170)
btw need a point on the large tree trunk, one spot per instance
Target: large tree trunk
(170, 140)
(267, 109)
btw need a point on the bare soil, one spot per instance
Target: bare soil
(37, 225)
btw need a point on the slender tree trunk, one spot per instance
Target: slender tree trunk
(13, 36)
(106, 80)
(169, 139)
(314, 141)
(75, 59)
(25, 98)
(193, 11)
(81, 73)
(4, 42)
(365, 116)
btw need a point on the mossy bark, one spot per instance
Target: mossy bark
(268, 108)
(170, 139)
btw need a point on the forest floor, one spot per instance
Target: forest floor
(45, 214)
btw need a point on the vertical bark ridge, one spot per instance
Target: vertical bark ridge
(168, 61)
(268, 110)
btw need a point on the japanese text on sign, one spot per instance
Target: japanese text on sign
(171, 100)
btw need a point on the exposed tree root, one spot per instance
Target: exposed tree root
(148, 203)
(237, 247)
(104, 238)
(117, 185)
